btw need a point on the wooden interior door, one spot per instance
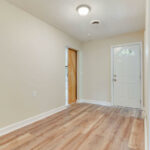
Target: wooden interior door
(72, 76)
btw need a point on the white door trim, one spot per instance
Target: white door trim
(141, 69)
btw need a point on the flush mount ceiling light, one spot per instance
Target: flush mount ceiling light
(83, 10)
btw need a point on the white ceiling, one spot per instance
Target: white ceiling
(116, 16)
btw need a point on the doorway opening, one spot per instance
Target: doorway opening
(126, 75)
(71, 76)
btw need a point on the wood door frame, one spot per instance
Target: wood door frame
(141, 69)
(67, 49)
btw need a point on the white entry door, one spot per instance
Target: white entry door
(126, 75)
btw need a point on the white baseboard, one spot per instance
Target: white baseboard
(29, 121)
(103, 103)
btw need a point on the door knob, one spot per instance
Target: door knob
(114, 80)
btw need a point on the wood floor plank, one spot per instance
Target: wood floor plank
(135, 141)
(44, 123)
(16, 142)
(81, 127)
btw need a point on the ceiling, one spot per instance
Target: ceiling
(116, 16)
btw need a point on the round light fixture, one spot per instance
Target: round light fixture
(83, 10)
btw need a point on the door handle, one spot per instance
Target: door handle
(114, 80)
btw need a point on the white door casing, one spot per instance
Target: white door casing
(126, 75)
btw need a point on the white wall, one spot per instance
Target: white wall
(95, 69)
(32, 58)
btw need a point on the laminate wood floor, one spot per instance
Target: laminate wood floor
(81, 127)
